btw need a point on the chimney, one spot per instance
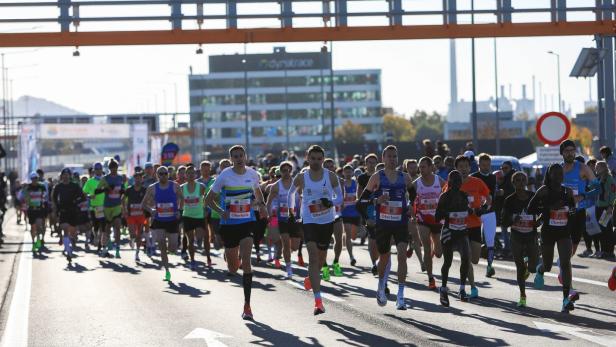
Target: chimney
(524, 92)
(453, 72)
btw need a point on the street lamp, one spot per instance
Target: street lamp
(560, 101)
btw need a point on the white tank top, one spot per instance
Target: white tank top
(427, 200)
(281, 200)
(313, 212)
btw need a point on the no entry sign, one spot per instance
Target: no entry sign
(553, 128)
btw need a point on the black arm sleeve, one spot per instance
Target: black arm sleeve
(362, 204)
(412, 193)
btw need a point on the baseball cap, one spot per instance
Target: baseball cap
(98, 166)
(138, 171)
(33, 175)
(469, 154)
(65, 170)
(148, 165)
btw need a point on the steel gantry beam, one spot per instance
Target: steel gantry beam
(65, 13)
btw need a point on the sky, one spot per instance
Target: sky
(415, 73)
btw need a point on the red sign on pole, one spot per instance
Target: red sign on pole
(553, 128)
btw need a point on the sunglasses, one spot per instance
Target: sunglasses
(163, 173)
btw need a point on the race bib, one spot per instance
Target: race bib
(391, 211)
(191, 201)
(428, 206)
(99, 212)
(36, 199)
(457, 220)
(115, 193)
(349, 200)
(283, 210)
(525, 224)
(135, 210)
(239, 208)
(83, 206)
(559, 218)
(165, 210)
(317, 209)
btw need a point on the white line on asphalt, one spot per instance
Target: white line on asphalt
(16, 332)
(209, 336)
(577, 332)
(323, 295)
(548, 274)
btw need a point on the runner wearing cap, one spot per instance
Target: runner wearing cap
(163, 199)
(132, 210)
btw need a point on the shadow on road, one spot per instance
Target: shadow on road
(185, 289)
(77, 268)
(356, 337)
(118, 267)
(514, 283)
(272, 337)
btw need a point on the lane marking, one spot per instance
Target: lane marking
(546, 274)
(577, 332)
(16, 332)
(211, 337)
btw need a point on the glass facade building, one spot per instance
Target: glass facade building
(288, 99)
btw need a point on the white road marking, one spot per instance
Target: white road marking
(547, 274)
(577, 332)
(211, 337)
(16, 332)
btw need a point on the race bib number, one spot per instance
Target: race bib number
(135, 210)
(525, 224)
(428, 206)
(83, 206)
(349, 200)
(283, 210)
(191, 201)
(391, 211)
(457, 220)
(559, 218)
(239, 208)
(99, 212)
(317, 209)
(165, 210)
(36, 199)
(115, 193)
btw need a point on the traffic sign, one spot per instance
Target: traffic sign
(548, 155)
(553, 128)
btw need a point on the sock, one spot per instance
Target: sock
(401, 291)
(288, 267)
(247, 284)
(317, 295)
(490, 255)
(382, 284)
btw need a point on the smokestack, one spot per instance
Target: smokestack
(524, 92)
(502, 93)
(453, 72)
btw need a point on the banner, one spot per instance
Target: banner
(140, 147)
(29, 156)
(84, 131)
(168, 153)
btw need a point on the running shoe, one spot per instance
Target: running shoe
(353, 261)
(444, 296)
(307, 284)
(400, 305)
(431, 283)
(325, 273)
(463, 296)
(277, 264)
(490, 271)
(585, 254)
(167, 276)
(567, 306)
(522, 301)
(539, 280)
(300, 260)
(247, 314)
(573, 297)
(611, 283)
(318, 307)
(375, 270)
(381, 298)
(474, 292)
(337, 270)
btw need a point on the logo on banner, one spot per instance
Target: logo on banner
(169, 151)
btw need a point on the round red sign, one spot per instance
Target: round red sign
(553, 128)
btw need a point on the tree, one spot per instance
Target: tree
(583, 136)
(400, 127)
(428, 126)
(350, 132)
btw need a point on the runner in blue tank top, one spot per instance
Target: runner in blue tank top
(350, 216)
(235, 195)
(163, 199)
(390, 187)
(576, 176)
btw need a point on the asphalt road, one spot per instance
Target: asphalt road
(116, 302)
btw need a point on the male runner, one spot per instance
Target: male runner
(206, 180)
(35, 199)
(132, 209)
(193, 211)
(329, 164)
(97, 213)
(371, 161)
(66, 196)
(350, 216)
(113, 186)
(238, 194)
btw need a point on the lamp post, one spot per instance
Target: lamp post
(560, 100)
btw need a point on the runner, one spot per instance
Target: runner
(97, 214)
(329, 164)
(350, 216)
(371, 161)
(193, 211)
(215, 217)
(605, 210)
(35, 200)
(320, 193)
(453, 209)
(523, 233)
(412, 169)
(488, 219)
(66, 197)
(390, 187)
(289, 232)
(83, 220)
(556, 204)
(113, 186)
(149, 175)
(576, 175)
(163, 199)
(479, 200)
(274, 240)
(132, 210)
(428, 188)
(234, 195)
(206, 180)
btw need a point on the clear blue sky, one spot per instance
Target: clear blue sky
(415, 74)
